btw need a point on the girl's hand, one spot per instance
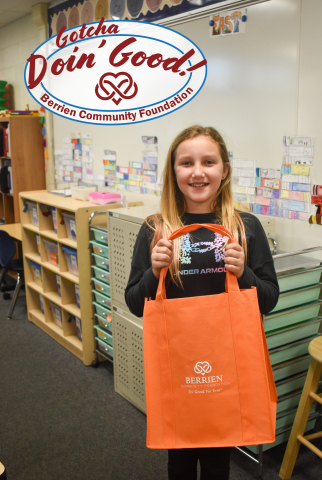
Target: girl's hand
(162, 256)
(235, 259)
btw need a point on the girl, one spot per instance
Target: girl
(197, 189)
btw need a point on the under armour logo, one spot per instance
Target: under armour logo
(115, 87)
(202, 367)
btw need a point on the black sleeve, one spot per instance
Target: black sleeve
(259, 269)
(142, 283)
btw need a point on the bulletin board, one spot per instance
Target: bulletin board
(76, 12)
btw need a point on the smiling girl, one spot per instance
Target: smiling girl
(197, 189)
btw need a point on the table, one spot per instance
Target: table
(14, 230)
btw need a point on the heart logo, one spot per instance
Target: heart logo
(202, 368)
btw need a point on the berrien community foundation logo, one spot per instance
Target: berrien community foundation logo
(115, 72)
(202, 368)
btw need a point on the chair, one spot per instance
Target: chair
(307, 398)
(7, 252)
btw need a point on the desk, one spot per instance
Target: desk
(14, 230)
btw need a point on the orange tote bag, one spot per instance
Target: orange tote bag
(208, 377)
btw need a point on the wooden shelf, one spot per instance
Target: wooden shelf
(66, 335)
(53, 297)
(71, 342)
(51, 267)
(34, 257)
(30, 226)
(73, 309)
(36, 287)
(69, 276)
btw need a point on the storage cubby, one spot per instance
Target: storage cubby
(33, 273)
(50, 285)
(68, 292)
(69, 324)
(46, 219)
(34, 299)
(30, 242)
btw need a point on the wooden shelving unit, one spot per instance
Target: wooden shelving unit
(27, 162)
(67, 334)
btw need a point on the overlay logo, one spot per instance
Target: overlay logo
(202, 368)
(115, 72)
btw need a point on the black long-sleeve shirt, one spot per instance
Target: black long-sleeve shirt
(202, 266)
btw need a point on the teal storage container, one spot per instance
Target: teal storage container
(104, 347)
(102, 311)
(290, 384)
(291, 316)
(292, 367)
(102, 275)
(293, 333)
(101, 262)
(103, 335)
(104, 323)
(298, 297)
(102, 299)
(101, 286)
(299, 280)
(292, 350)
(100, 236)
(286, 418)
(99, 249)
(288, 401)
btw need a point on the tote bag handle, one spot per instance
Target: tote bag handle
(231, 284)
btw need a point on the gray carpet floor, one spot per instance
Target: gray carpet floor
(61, 420)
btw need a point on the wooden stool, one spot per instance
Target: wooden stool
(303, 411)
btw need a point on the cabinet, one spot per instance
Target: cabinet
(27, 162)
(57, 268)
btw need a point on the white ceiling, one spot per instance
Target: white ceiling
(11, 10)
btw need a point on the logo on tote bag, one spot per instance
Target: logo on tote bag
(202, 367)
(115, 72)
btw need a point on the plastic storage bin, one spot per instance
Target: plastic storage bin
(79, 328)
(54, 214)
(100, 236)
(104, 323)
(77, 295)
(36, 272)
(70, 226)
(52, 252)
(102, 335)
(38, 242)
(71, 259)
(103, 311)
(99, 249)
(102, 275)
(101, 286)
(104, 347)
(102, 299)
(101, 262)
(42, 304)
(32, 209)
(57, 314)
(58, 284)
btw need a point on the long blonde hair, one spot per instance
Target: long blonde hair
(173, 204)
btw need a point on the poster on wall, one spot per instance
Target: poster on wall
(228, 23)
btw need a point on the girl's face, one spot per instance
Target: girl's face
(199, 170)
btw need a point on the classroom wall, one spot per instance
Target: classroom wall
(260, 86)
(17, 41)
